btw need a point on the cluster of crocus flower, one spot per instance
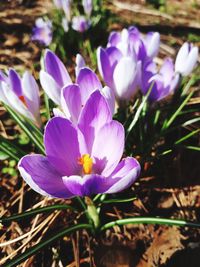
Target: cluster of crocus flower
(80, 23)
(42, 31)
(83, 144)
(127, 63)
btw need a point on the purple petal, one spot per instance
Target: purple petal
(56, 69)
(104, 66)
(88, 82)
(167, 71)
(31, 93)
(110, 97)
(114, 55)
(42, 177)
(62, 146)
(152, 43)
(71, 102)
(114, 38)
(124, 175)
(87, 185)
(94, 115)
(15, 82)
(80, 63)
(108, 147)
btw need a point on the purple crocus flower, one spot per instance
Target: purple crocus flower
(80, 23)
(42, 32)
(145, 47)
(21, 94)
(82, 160)
(163, 82)
(87, 6)
(119, 67)
(186, 59)
(57, 83)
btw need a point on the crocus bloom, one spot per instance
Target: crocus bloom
(58, 85)
(75, 96)
(87, 6)
(21, 94)
(186, 59)
(163, 82)
(80, 23)
(119, 67)
(65, 24)
(146, 47)
(82, 160)
(42, 32)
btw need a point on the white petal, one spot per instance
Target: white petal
(50, 87)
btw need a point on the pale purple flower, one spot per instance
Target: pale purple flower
(87, 6)
(21, 94)
(145, 47)
(42, 32)
(81, 160)
(119, 68)
(58, 85)
(186, 59)
(80, 23)
(163, 82)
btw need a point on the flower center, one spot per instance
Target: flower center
(86, 162)
(22, 98)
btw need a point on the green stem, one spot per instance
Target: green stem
(29, 213)
(149, 220)
(92, 212)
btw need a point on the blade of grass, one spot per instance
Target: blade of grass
(187, 136)
(139, 110)
(29, 213)
(176, 113)
(10, 149)
(195, 148)
(149, 220)
(107, 201)
(21, 122)
(33, 250)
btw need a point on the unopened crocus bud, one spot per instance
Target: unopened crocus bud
(87, 6)
(80, 63)
(186, 59)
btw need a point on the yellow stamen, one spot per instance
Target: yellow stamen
(86, 162)
(22, 98)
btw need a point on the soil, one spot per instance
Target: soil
(172, 190)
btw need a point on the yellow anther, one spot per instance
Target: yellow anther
(86, 162)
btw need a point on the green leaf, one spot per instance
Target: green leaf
(107, 201)
(31, 130)
(139, 110)
(11, 150)
(33, 250)
(176, 113)
(187, 136)
(149, 220)
(29, 213)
